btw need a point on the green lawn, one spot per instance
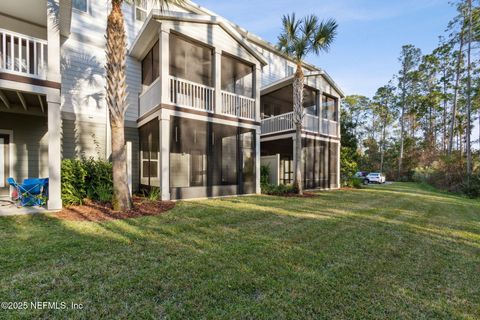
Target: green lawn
(393, 251)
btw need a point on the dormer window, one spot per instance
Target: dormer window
(140, 10)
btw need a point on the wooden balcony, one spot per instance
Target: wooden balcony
(311, 123)
(238, 106)
(23, 55)
(191, 95)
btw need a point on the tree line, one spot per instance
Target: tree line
(420, 124)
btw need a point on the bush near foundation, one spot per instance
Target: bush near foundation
(86, 179)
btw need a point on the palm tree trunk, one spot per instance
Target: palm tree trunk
(121, 197)
(116, 93)
(298, 84)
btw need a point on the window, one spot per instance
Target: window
(140, 10)
(81, 5)
(310, 101)
(329, 108)
(290, 70)
(151, 66)
(237, 76)
(190, 61)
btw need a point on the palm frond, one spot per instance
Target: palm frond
(301, 37)
(324, 36)
(309, 26)
(289, 34)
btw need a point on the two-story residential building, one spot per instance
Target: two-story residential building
(201, 90)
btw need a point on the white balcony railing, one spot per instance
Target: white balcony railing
(237, 105)
(22, 55)
(191, 95)
(284, 122)
(329, 128)
(310, 123)
(280, 123)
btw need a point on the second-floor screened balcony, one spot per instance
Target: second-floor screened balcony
(277, 114)
(23, 55)
(200, 77)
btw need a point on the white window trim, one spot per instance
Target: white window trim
(135, 7)
(11, 155)
(81, 11)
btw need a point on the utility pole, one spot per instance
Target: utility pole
(469, 98)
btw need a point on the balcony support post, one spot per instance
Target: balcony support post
(217, 78)
(53, 37)
(164, 120)
(54, 151)
(320, 110)
(258, 189)
(257, 80)
(164, 65)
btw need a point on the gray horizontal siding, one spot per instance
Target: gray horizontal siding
(82, 139)
(30, 144)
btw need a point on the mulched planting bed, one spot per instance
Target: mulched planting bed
(96, 211)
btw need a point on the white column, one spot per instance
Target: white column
(217, 68)
(319, 108)
(257, 78)
(294, 158)
(53, 37)
(54, 152)
(338, 164)
(54, 112)
(339, 113)
(258, 161)
(164, 44)
(129, 166)
(165, 155)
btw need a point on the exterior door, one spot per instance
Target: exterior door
(4, 164)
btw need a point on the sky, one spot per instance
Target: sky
(371, 33)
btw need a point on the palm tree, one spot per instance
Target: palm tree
(116, 94)
(298, 39)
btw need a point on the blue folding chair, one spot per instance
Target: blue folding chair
(32, 192)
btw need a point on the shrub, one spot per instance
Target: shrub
(154, 194)
(348, 165)
(264, 174)
(280, 190)
(353, 182)
(99, 179)
(86, 178)
(472, 188)
(73, 182)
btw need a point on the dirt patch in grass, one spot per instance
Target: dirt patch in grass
(96, 211)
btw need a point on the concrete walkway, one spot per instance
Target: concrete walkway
(8, 208)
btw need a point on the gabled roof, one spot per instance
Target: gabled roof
(287, 80)
(145, 36)
(190, 5)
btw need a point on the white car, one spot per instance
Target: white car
(375, 177)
